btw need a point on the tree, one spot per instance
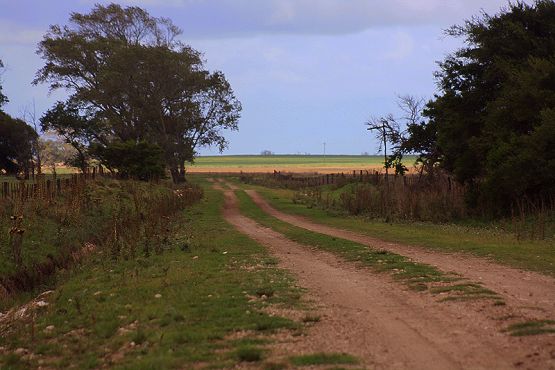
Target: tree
(142, 161)
(29, 116)
(401, 133)
(76, 129)
(3, 98)
(127, 73)
(16, 145)
(55, 151)
(494, 115)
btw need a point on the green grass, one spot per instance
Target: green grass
(417, 276)
(102, 307)
(323, 359)
(249, 354)
(283, 162)
(532, 328)
(493, 243)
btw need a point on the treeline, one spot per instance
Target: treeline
(141, 101)
(492, 123)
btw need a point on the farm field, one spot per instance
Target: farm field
(289, 163)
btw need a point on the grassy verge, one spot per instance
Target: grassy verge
(324, 359)
(171, 310)
(417, 276)
(483, 242)
(42, 235)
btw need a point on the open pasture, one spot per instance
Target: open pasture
(289, 163)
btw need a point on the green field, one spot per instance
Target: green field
(293, 163)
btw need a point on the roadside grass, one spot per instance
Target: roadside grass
(172, 310)
(55, 231)
(531, 328)
(417, 276)
(492, 243)
(323, 359)
(249, 354)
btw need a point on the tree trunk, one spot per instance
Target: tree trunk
(182, 171)
(177, 177)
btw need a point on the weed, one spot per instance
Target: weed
(265, 292)
(323, 359)
(532, 328)
(249, 354)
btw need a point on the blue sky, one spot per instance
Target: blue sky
(306, 71)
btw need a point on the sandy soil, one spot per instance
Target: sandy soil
(386, 325)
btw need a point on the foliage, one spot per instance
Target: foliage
(495, 117)
(16, 145)
(55, 151)
(407, 134)
(76, 129)
(140, 160)
(3, 98)
(131, 80)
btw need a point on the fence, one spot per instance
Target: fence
(296, 181)
(47, 188)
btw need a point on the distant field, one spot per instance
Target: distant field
(289, 163)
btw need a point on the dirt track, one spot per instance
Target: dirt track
(386, 325)
(530, 291)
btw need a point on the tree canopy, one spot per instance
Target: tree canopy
(130, 79)
(492, 124)
(3, 98)
(16, 145)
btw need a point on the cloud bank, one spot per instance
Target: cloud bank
(221, 18)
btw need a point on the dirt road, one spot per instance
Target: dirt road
(531, 292)
(384, 324)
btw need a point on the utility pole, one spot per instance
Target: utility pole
(324, 152)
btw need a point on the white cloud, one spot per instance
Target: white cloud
(233, 18)
(208, 18)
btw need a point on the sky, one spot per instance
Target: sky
(307, 72)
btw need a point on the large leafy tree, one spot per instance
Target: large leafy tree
(17, 141)
(495, 115)
(129, 75)
(16, 145)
